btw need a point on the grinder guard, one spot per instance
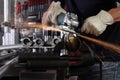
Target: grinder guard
(77, 48)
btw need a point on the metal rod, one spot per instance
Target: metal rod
(7, 47)
(5, 67)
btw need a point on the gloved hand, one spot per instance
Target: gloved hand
(97, 24)
(51, 14)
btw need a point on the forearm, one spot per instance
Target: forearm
(115, 13)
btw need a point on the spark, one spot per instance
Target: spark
(41, 26)
(100, 59)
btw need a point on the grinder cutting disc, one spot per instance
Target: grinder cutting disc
(73, 43)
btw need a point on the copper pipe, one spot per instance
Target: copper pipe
(107, 45)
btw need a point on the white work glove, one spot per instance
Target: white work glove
(97, 24)
(50, 16)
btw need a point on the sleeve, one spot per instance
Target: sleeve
(118, 3)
